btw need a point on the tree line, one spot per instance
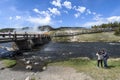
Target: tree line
(113, 26)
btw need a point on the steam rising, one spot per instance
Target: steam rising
(30, 30)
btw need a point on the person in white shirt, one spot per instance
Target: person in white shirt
(99, 58)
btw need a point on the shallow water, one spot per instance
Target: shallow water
(83, 49)
(62, 50)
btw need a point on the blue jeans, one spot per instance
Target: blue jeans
(105, 62)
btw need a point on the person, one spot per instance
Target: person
(9, 34)
(99, 58)
(26, 35)
(105, 58)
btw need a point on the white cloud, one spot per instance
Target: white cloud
(10, 18)
(67, 4)
(65, 12)
(54, 11)
(77, 15)
(89, 24)
(88, 11)
(40, 20)
(56, 3)
(102, 20)
(97, 17)
(44, 17)
(45, 13)
(113, 18)
(94, 13)
(59, 21)
(81, 9)
(15, 18)
(18, 17)
(36, 10)
(41, 13)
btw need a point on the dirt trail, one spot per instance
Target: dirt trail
(51, 73)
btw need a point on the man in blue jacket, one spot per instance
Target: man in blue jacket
(105, 58)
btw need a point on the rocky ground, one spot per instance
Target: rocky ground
(51, 73)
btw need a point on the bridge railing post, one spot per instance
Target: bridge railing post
(15, 36)
(30, 36)
(38, 35)
(9, 34)
(26, 36)
(34, 35)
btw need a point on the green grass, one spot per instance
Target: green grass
(89, 67)
(9, 63)
(33, 78)
(100, 37)
(94, 37)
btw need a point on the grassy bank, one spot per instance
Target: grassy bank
(99, 37)
(94, 37)
(9, 63)
(89, 67)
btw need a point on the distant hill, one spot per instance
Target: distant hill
(63, 28)
(25, 28)
(49, 28)
(7, 30)
(45, 28)
(41, 28)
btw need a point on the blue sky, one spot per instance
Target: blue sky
(57, 13)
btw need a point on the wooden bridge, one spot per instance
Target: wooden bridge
(25, 40)
(11, 37)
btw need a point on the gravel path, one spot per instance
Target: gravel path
(63, 73)
(51, 73)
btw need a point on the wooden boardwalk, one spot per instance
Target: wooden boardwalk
(11, 37)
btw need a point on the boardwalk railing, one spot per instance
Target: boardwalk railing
(9, 37)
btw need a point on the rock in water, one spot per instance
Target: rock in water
(2, 68)
(14, 46)
(27, 78)
(29, 67)
(36, 63)
(44, 68)
(28, 62)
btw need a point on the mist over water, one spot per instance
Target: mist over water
(30, 30)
